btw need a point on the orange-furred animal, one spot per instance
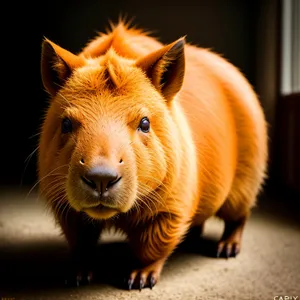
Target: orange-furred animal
(150, 139)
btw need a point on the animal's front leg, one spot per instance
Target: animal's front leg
(153, 242)
(82, 236)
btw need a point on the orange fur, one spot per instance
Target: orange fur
(205, 154)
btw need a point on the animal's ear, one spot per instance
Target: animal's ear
(57, 65)
(165, 68)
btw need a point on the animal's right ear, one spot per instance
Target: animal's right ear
(165, 68)
(57, 65)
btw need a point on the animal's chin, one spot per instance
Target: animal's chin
(101, 212)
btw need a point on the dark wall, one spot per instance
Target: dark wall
(228, 27)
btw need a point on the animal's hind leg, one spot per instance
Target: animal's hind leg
(237, 208)
(230, 242)
(235, 214)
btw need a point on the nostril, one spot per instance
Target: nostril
(89, 182)
(113, 182)
(121, 161)
(82, 161)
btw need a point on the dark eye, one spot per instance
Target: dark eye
(66, 125)
(144, 125)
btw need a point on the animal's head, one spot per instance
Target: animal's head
(106, 140)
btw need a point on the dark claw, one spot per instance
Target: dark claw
(235, 250)
(228, 251)
(130, 283)
(219, 251)
(152, 282)
(89, 277)
(78, 279)
(142, 284)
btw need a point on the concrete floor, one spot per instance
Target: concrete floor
(33, 256)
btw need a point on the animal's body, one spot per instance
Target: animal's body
(151, 139)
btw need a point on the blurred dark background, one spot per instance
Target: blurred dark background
(247, 33)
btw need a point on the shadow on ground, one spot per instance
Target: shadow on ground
(41, 265)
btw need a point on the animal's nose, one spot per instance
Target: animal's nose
(101, 178)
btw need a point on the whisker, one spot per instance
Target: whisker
(43, 178)
(34, 135)
(27, 160)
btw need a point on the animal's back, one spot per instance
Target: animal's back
(229, 130)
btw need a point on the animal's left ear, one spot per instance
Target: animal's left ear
(165, 68)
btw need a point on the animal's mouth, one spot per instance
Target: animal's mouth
(100, 211)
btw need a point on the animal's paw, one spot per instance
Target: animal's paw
(227, 248)
(230, 243)
(78, 271)
(145, 277)
(79, 278)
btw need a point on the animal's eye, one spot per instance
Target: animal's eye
(144, 125)
(66, 125)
